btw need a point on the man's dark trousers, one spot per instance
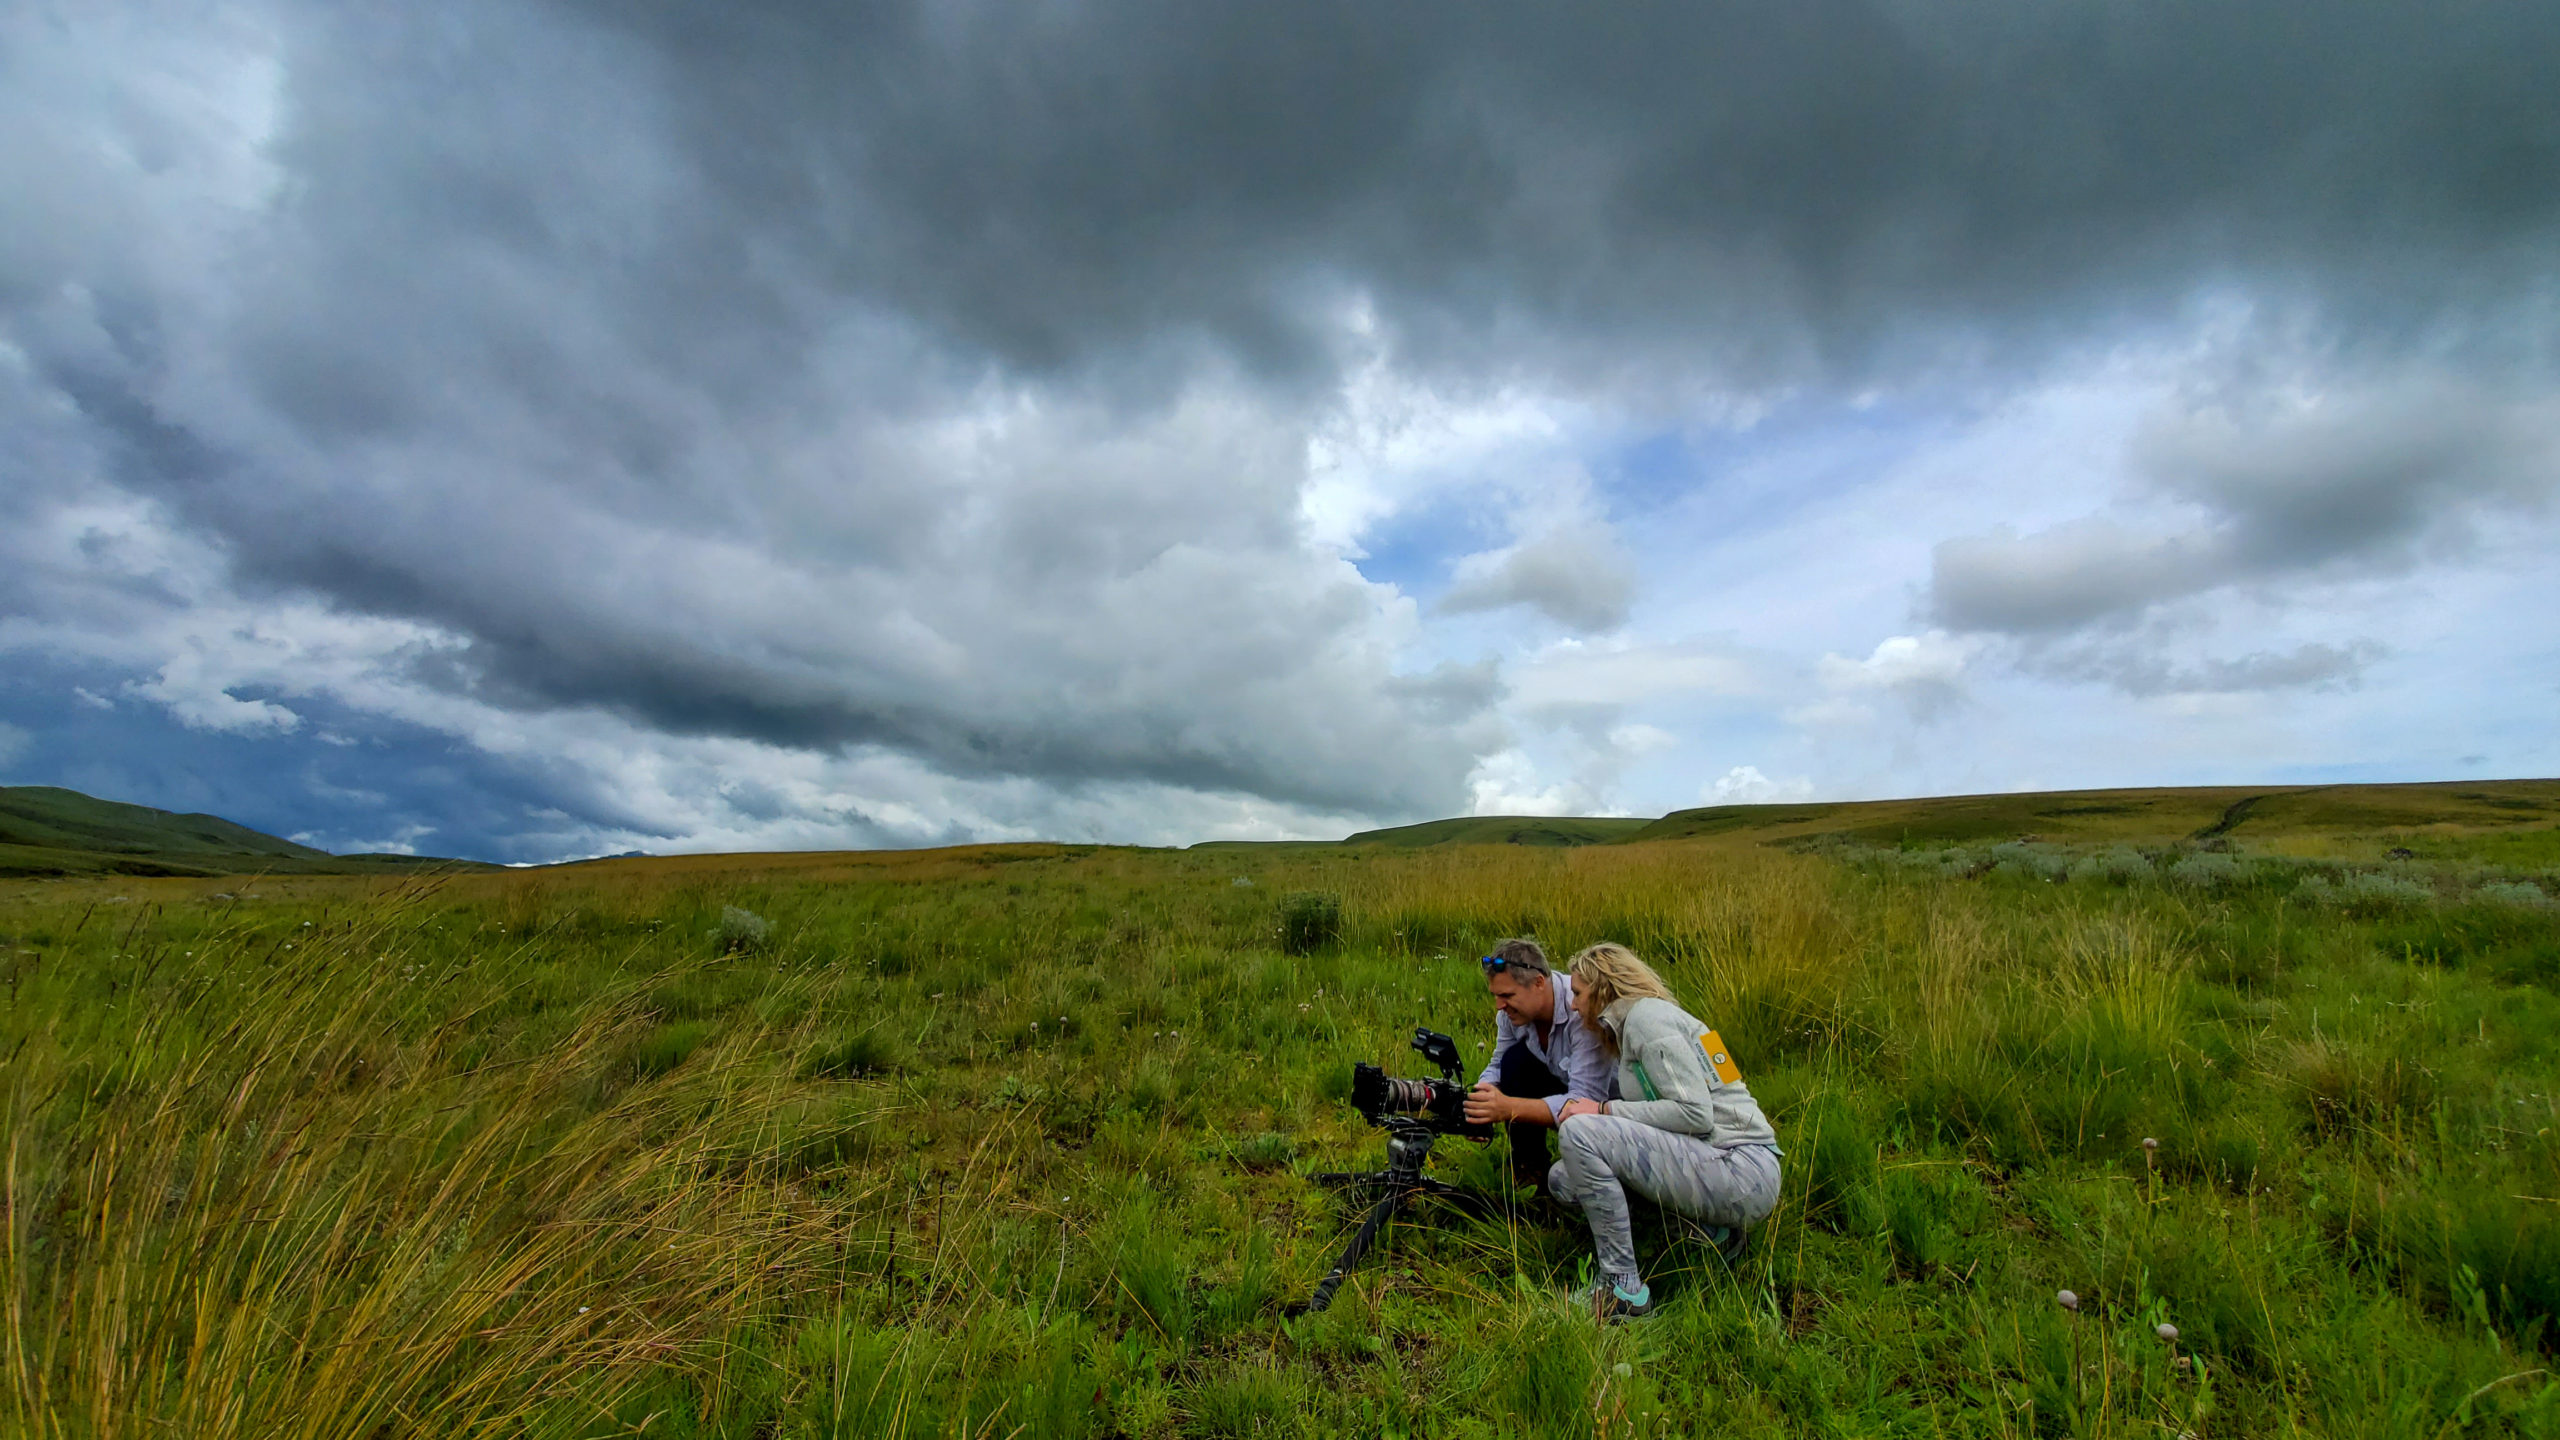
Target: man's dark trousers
(1523, 1075)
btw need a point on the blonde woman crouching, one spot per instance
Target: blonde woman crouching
(1685, 1132)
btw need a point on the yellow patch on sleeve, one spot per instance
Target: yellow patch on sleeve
(1718, 1059)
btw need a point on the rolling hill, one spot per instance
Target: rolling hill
(46, 830)
(2518, 820)
(1549, 830)
(2461, 815)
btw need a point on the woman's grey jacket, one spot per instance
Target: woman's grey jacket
(1669, 1078)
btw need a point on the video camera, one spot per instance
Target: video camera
(1439, 1104)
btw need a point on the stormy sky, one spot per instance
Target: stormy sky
(527, 430)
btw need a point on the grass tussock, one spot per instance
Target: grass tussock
(998, 1142)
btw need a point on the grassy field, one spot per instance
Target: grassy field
(1012, 1141)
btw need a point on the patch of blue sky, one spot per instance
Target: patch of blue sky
(1746, 477)
(341, 780)
(2403, 771)
(1414, 550)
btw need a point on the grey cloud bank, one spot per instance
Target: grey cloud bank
(906, 409)
(2343, 483)
(2268, 489)
(1579, 578)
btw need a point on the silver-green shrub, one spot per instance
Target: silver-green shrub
(2515, 894)
(2208, 872)
(2120, 865)
(2029, 861)
(742, 929)
(2373, 890)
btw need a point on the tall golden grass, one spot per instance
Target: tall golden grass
(278, 1215)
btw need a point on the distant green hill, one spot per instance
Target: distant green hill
(2449, 816)
(1552, 830)
(46, 830)
(2513, 821)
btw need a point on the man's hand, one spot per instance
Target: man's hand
(1580, 1107)
(1488, 1106)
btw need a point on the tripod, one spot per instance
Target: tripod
(1408, 1149)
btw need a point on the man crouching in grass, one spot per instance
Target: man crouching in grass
(1543, 1056)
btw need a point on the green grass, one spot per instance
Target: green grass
(1012, 1140)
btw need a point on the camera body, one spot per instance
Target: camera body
(1439, 1105)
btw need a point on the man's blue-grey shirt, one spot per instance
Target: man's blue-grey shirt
(1564, 1045)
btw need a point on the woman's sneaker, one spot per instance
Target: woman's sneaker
(1727, 1241)
(1611, 1305)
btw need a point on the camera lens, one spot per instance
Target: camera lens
(1408, 1097)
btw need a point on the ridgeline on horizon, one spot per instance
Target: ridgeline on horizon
(49, 831)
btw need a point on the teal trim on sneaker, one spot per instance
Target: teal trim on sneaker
(1611, 1303)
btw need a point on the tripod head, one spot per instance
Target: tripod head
(1408, 1149)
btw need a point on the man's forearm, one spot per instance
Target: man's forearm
(1529, 1110)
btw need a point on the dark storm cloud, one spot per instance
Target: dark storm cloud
(936, 377)
(1816, 183)
(2346, 485)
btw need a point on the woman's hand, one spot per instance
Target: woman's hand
(1580, 1107)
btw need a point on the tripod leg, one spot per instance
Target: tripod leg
(1471, 1203)
(1359, 1246)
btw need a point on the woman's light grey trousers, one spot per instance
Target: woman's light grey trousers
(1605, 1156)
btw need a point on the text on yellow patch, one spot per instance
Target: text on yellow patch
(1718, 1059)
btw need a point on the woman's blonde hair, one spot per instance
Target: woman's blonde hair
(1609, 972)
